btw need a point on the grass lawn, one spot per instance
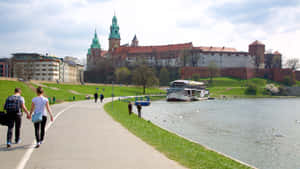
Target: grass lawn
(7, 88)
(187, 153)
(61, 94)
(225, 86)
(91, 89)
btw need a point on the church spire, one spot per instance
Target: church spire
(114, 29)
(114, 35)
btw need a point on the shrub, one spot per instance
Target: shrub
(288, 80)
(251, 89)
(195, 77)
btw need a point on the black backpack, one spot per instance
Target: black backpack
(13, 104)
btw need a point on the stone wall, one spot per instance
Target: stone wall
(242, 73)
(293, 91)
(297, 75)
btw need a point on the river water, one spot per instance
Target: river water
(262, 132)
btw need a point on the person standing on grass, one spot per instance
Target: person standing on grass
(101, 97)
(13, 106)
(39, 105)
(129, 108)
(139, 108)
(96, 97)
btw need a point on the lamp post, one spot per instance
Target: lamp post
(112, 96)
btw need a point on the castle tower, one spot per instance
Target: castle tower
(114, 35)
(94, 53)
(134, 42)
(257, 49)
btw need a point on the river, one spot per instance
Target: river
(262, 132)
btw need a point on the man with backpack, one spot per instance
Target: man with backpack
(101, 97)
(13, 106)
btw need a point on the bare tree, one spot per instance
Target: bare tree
(213, 70)
(144, 76)
(292, 63)
(122, 75)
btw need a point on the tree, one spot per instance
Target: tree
(185, 57)
(144, 76)
(195, 76)
(288, 80)
(251, 89)
(164, 76)
(122, 75)
(213, 70)
(292, 63)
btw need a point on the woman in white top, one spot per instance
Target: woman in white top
(39, 105)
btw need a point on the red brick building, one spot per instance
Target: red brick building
(5, 67)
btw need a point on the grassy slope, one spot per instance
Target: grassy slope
(236, 87)
(7, 89)
(187, 153)
(91, 89)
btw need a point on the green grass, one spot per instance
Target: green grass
(234, 87)
(61, 94)
(7, 88)
(64, 94)
(187, 153)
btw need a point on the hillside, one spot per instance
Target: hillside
(233, 87)
(7, 89)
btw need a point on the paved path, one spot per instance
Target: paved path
(83, 136)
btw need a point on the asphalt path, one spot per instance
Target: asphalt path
(82, 136)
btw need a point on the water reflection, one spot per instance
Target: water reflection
(261, 132)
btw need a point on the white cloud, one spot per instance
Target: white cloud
(64, 27)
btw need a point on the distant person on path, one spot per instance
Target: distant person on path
(39, 105)
(139, 108)
(96, 97)
(129, 108)
(13, 106)
(101, 97)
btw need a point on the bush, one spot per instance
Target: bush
(195, 77)
(251, 89)
(288, 80)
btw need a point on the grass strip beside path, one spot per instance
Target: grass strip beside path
(187, 153)
(7, 88)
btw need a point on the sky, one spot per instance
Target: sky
(66, 27)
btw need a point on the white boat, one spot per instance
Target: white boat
(186, 90)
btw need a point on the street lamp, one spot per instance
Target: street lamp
(112, 95)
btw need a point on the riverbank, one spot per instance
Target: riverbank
(226, 87)
(187, 153)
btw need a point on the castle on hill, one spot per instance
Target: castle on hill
(179, 55)
(186, 57)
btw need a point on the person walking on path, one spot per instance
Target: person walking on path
(13, 106)
(101, 97)
(96, 97)
(39, 105)
(139, 108)
(129, 108)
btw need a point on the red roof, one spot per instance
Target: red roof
(149, 49)
(257, 43)
(216, 49)
(276, 53)
(103, 52)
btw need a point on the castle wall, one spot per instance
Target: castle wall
(224, 60)
(297, 75)
(242, 73)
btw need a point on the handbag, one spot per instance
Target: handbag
(37, 117)
(3, 119)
